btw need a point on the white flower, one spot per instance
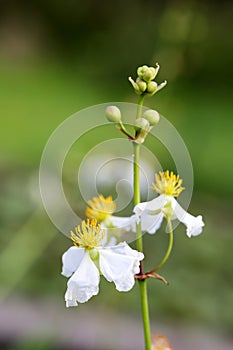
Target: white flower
(152, 213)
(86, 261)
(101, 209)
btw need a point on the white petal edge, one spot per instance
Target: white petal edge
(71, 260)
(151, 223)
(146, 213)
(194, 224)
(119, 264)
(126, 223)
(84, 283)
(153, 205)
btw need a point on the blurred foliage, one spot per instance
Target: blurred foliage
(190, 38)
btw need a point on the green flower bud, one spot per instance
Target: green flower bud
(152, 87)
(141, 124)
(144, 83)
(159, 87)
(141, 84)
(152, 73)
(151, 116)
(113, 114)
(146, 73)
(141, 70)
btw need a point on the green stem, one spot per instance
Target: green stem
(137, 193)
(123, 129)
(169, 249)
(122, 126)
(139, 241)
(140, 104)
(145, 314)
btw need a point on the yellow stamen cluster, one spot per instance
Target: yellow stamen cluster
(100, 208)
(168, 183)
(88, 235)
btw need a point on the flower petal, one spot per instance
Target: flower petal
(139, 208)
(194, 224)
(115, 226)
(71, 260)
(149, 213)
(155, 205)
(119, 264)
(84, 283)
(126, 223)
(151, 223)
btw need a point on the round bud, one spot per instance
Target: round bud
(113, 114)
(152, 71)
(141, 84)
(141, 124)
(141, 70)
(146, 73)
(152, 87)
(151, 116)
(142, 128)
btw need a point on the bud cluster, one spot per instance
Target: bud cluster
(144, 83)
(142, 126)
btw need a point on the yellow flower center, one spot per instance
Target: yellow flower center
(168, 183)
(100, 208)
(88, 235)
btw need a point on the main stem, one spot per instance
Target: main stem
(139, 241)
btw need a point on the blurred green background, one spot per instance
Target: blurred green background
(59, 57)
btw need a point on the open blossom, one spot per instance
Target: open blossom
(165, 205)
(101, 209)
(87, 260)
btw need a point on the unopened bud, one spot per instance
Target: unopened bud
(152, 116)
(152, 87)
(142, 128)
(141, 84)
(141, 70)
(141, 124)
(146, 73)
(144, 84)
(113, 114)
